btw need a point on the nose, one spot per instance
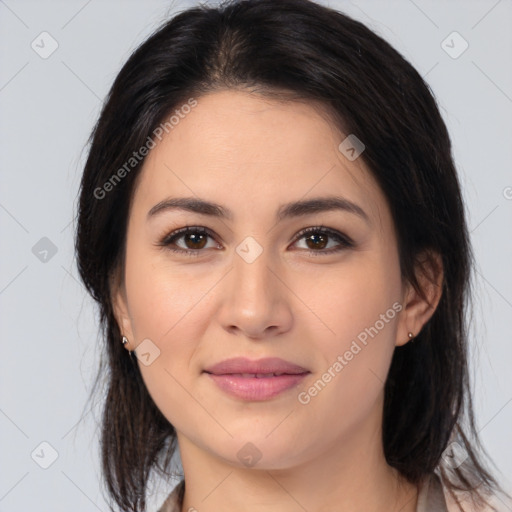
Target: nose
(256, 299)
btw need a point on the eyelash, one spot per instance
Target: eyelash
(344, 241)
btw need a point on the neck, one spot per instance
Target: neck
(351, 475)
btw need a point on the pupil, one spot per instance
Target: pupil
(315, 239)
(196, 239)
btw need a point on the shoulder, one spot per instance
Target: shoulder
(435, 495)
(174, 500)
(495, 504)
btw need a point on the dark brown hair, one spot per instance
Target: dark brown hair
(292, 49)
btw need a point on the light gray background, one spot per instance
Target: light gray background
(48, 108)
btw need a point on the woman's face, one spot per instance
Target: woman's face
(252, 285)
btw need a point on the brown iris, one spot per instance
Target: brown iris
(196, 240)
(319, 240)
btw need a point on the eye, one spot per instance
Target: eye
(189, 240)
(317, 240)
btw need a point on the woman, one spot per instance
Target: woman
(272, 225)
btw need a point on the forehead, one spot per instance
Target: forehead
(235, 147)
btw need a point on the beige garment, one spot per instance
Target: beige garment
(430, 499)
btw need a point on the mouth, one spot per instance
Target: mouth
(258, 380)
(255, 375)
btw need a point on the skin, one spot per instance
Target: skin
(252, 154)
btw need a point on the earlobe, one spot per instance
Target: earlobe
(120, 309)
(420, 304)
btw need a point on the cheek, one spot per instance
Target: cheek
(350, 300)
(161, 297)
(360, 307)
(165, 310)
(169, 306)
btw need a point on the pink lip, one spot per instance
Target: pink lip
(238, 378)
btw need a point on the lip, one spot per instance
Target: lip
(265, 365)
(252, 380)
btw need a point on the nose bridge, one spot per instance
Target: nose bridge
(251, 273)
(255, 299)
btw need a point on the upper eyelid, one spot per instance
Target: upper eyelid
(177, 233)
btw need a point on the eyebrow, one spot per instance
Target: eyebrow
(286, 211)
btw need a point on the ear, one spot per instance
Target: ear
(120, 308)
(420, 305)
